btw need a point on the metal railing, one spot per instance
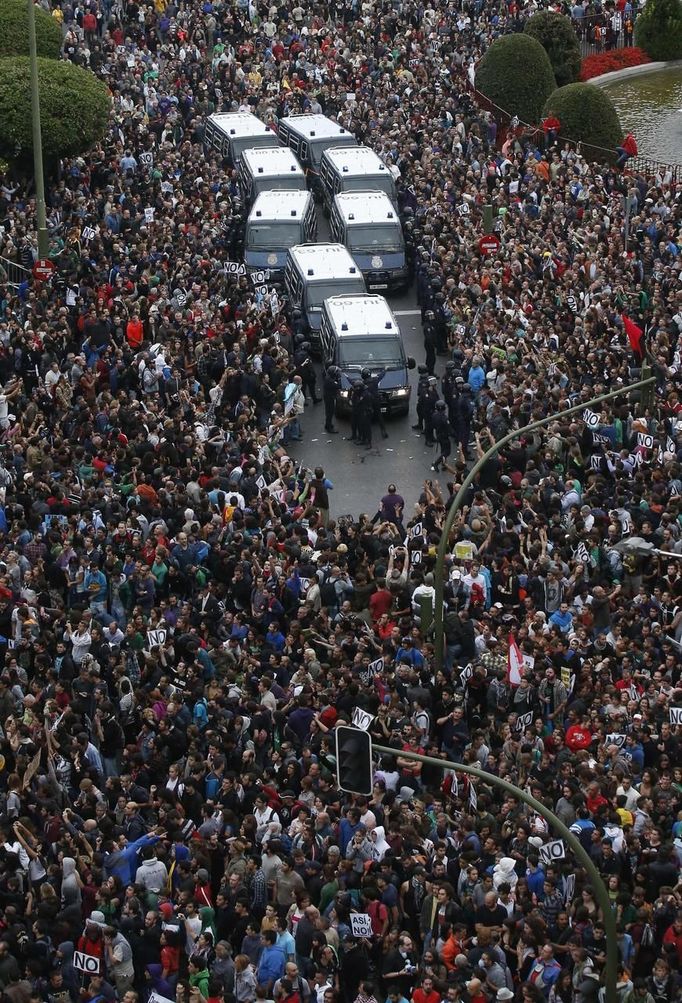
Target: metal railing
(12, 273)
(603, 32)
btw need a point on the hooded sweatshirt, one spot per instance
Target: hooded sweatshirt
(380, 846)
(152, 874)
(504, 872)
(71, 888)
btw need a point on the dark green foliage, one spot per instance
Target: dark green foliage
(74, 109)
(515, 74)
(14, 31)
(658, 29)
(587, 114)
(556, 35)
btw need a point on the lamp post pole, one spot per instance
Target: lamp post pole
(469, 479)
(583, 857)
(43, 241)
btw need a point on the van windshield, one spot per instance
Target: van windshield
(271, 236)
(318, 292)
(359, 352)
(376, 239)
(374, 183)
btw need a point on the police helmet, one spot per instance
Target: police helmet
(440, 405)
(305, 346)
(334, 372)
(450, 366)
(429, 315)
(467, 388)
(433, 381)
(366, 374)
(422, 370)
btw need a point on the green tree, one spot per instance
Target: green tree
(515, 73)
(14, 31)
(587, 114)
(658, 29)
(556, 35)
(74, 109)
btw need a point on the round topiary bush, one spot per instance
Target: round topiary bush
(587, 114)
(515, 73)
(14, 31)
(556, 35)
(74, 109)
(658, 29)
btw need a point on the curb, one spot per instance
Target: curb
(633, 71)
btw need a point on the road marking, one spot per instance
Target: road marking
(407, 313)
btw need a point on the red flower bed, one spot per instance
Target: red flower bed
(615, 59)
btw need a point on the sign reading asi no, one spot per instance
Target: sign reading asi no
(87, 963)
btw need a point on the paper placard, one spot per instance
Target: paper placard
(235, 268)
(565, 676)
(464, 550)
(417, 557)
(261, 276)
(524, 720)
(261, 483)
(87, 963)
(473, 797)
(676, 715)
(570, 888)
(88, 232)
(360, 924)
(415, 531)
(463, 209)
(645, 440)
(466, 673)
(376, 666)
(590, 418)
(361, 719)
(156, 637)
(147, 159)
(149, 214)
(155, 997)
(614, 739)
(553, 851)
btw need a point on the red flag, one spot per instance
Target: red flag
(634, 333)
(514, 662)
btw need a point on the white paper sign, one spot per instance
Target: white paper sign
(88, 233)
(524, 720)
(645, 440)
(463, 209)
(416, 530)
(473, 797)
(261, 276)
(149, 214)
(614, 739)
(590, 418)
(570, 888)
(361, 719)
(676, 715)
(552, 851)
(261, 483)
(157, 998)
(87, 963)
(417, 557)
(360, 924)
(156, 637)
(466, 673)
(235, 268)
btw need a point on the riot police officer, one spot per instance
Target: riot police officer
(447, 386)
(441, 431)
(330, 389)
(464, 413)
(357, 394)
(430, 340)
(422, 387)
(303, 364)
(372, 383)
(429, 404)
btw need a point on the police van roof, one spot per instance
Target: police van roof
(324, 261)
(361, 315)
(280, 205)
(272, 160)
(366, 207)
(240, 123)
(315, 127)
(356, 160)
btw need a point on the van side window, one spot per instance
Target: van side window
(304, 151)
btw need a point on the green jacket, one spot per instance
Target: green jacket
(200, 980)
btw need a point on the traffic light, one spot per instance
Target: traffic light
(353, 760)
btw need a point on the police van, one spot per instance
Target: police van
(360, 332)
(368, 224)
(230, 133)
(313, 273)
(354, 169)
(269, 169)
(309, 136)
(277, 221)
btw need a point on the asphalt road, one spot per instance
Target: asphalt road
(361, 476)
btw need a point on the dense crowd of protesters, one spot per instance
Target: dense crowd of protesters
(184, 621)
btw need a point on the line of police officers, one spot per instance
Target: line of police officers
(442, 417)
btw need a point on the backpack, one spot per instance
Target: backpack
(328, 595)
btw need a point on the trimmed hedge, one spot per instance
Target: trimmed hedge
(658, 29)
(556, 35)
(587, 114)
(515, 73)
(74, 109)
(14, 31)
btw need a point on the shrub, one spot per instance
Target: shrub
(14, 31)
(74, 109)
(658, 29)
(556, 35)
(614, 59)
(515, 73)
(587, 114)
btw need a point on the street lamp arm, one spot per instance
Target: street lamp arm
(469, 479)
(600, 891)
